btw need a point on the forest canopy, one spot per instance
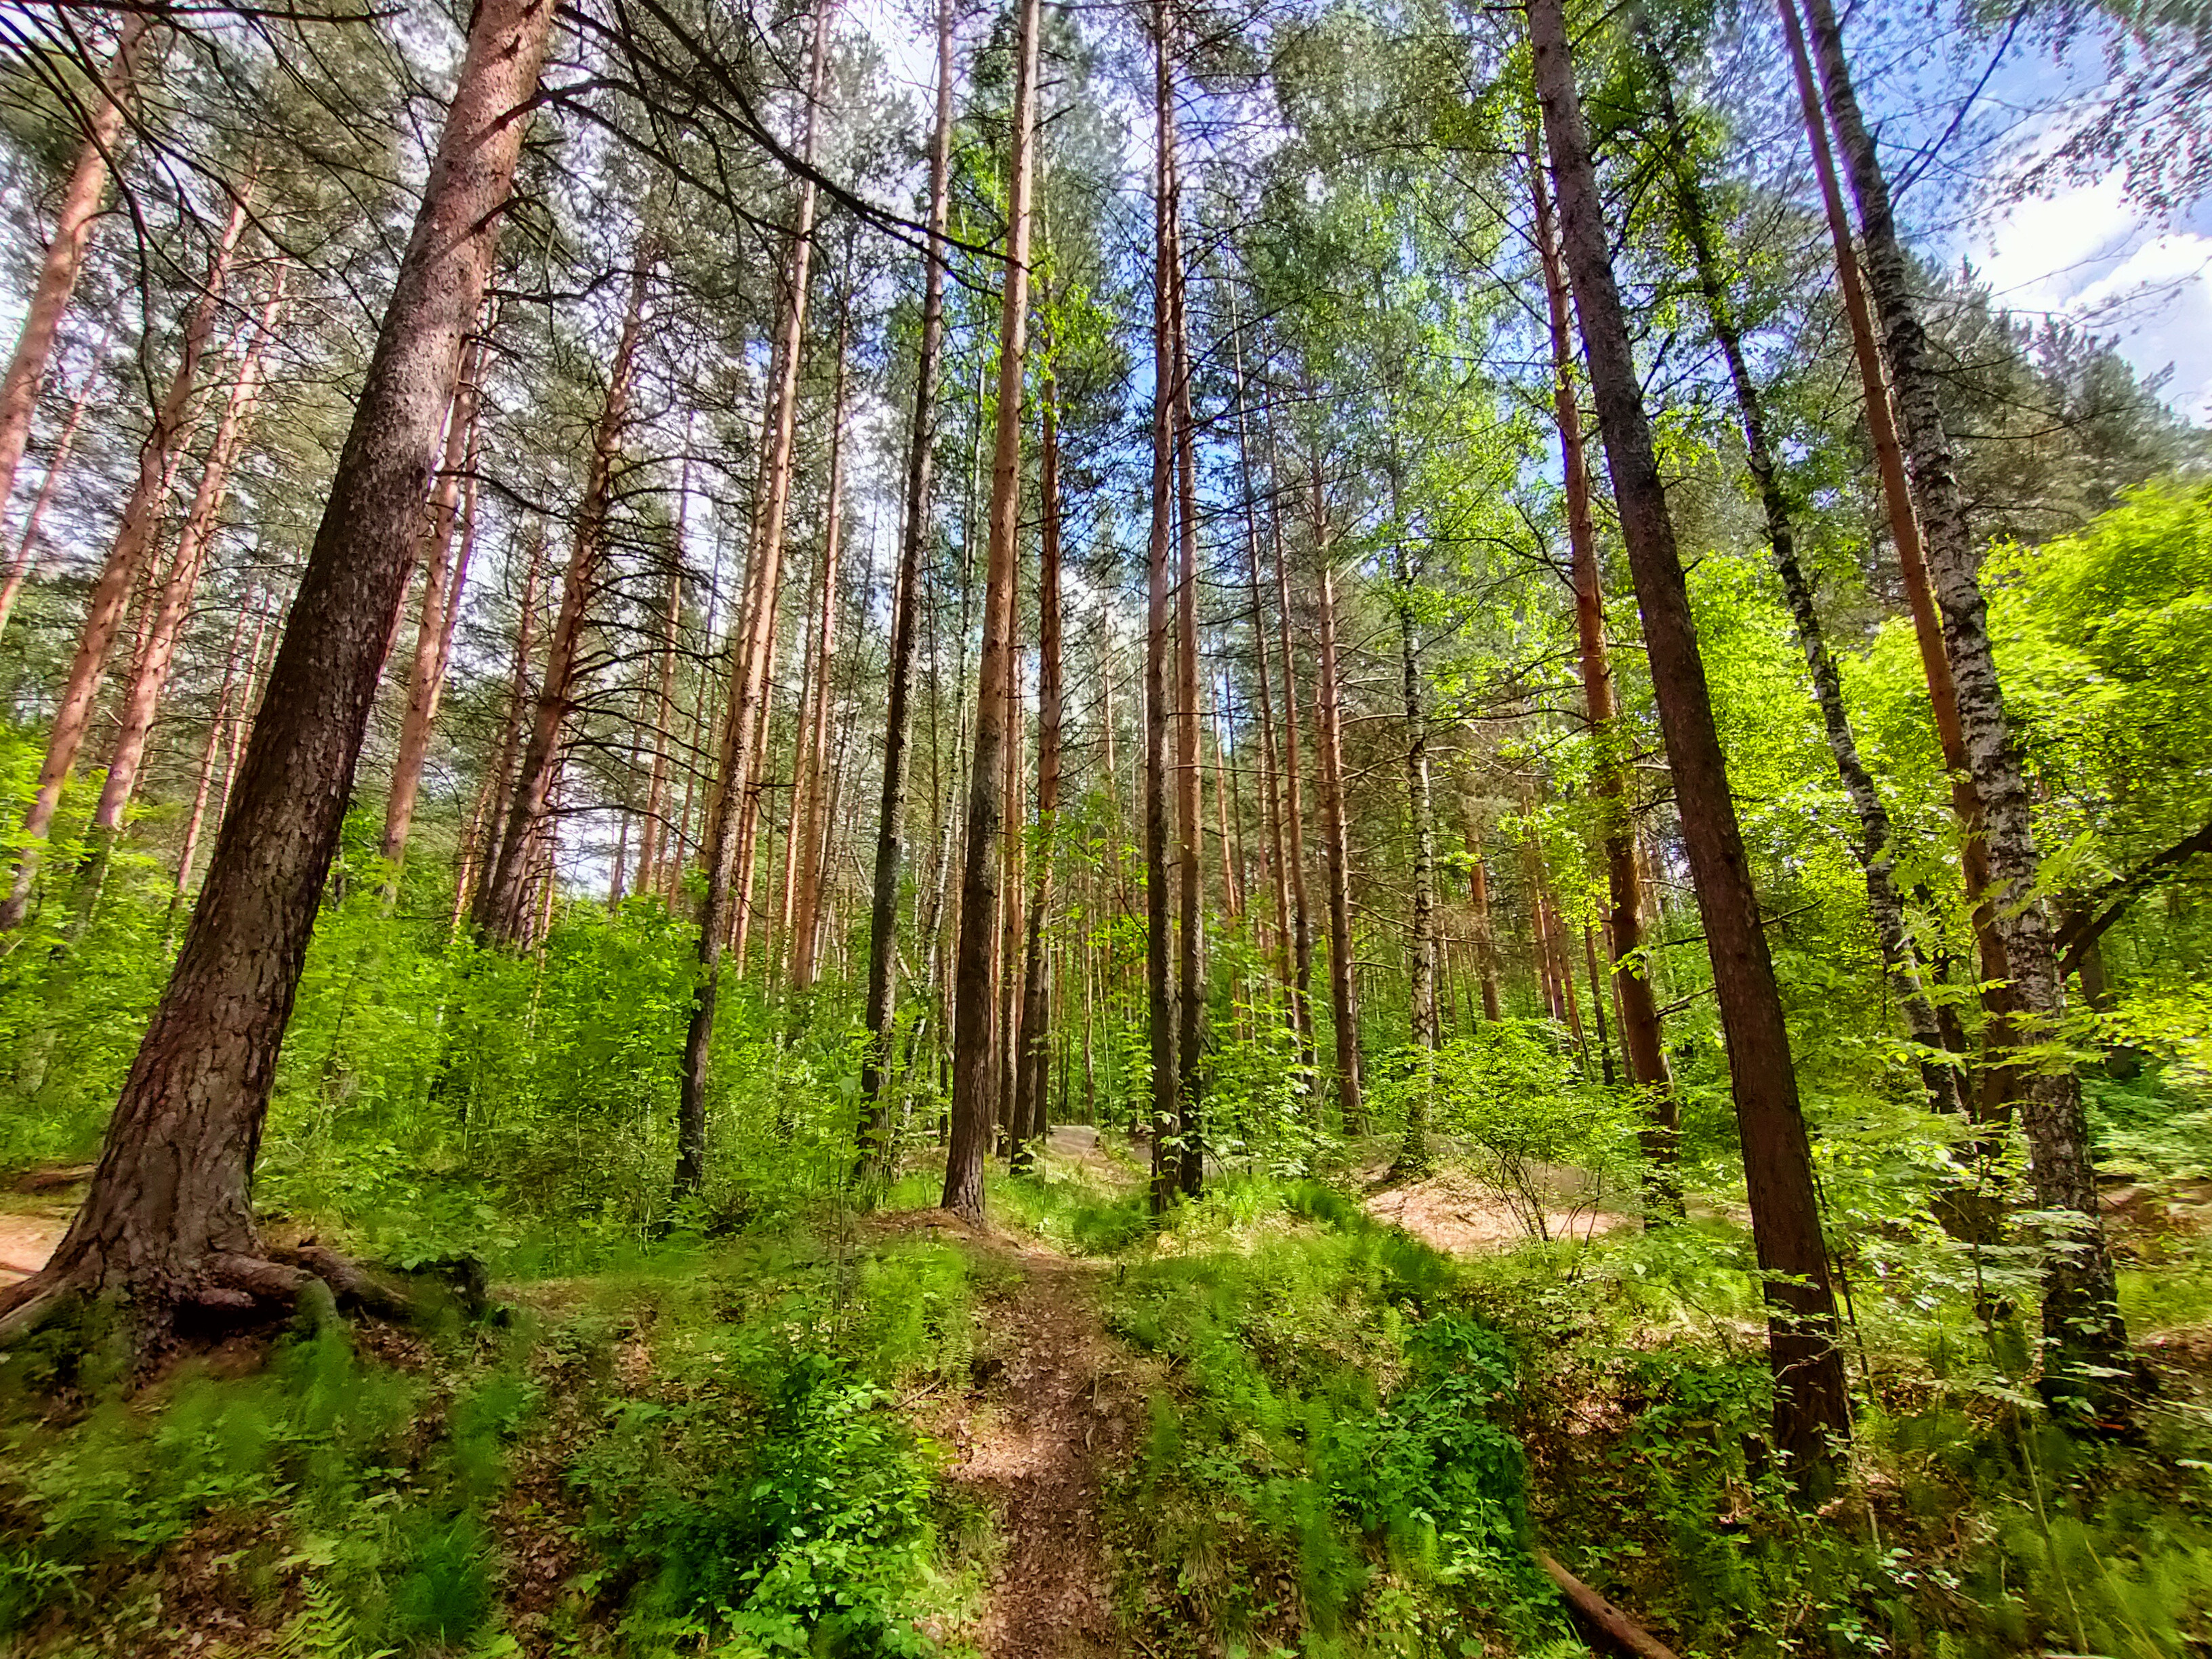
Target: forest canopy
(1141, 827)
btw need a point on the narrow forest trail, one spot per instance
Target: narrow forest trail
(1053, 1406)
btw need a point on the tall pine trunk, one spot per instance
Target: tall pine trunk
(27, 551)
(906, 602)
(1642, 1040)
(1413, 1160)
(120, 574)
(1884, 903)
(1343, 987)
(1033, 1057)
(973, 1062)
(504, 903)
(2082, 1332)
(1166, 1172)
(168, 1222)
(64, 258)
(1190, 823)
(441, 599)
(1811, 1412)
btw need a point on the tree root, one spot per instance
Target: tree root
(240, 1286)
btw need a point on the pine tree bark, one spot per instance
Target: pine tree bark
(194, 540)
(168, 1222)
(1294, 811)
(517, 717)
(1884, 903)
(973, 1061)
(812, 820)
(1167, 1169)
(503, 903)
(120, 574)
(1478, 894)
(2083, 1334)
(65, 249)
(1190, 822)
(27, 551)
(922, 442)
(1998, 1083)
(1343, 988)
(1810, 1410)
(1033, 1074)
(1413, 1160)
(440, 603)
(1642, 1040)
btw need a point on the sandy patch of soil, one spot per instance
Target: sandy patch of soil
(1462, 1216)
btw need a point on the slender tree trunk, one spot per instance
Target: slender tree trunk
(218, 723)
(517, 713)
(168, 1222)
(1294, 811)
(729, 874)
(922, 442)
(814, 823)
(2082, 1331)
(1486, 941)
(1413, 1159)
(1034, 1054)
(27, 551)
(194, 540)
(503, 903)
(1884, 903)
(972, 1059)
(1270, 780)
(65, 249)
(1329, 718)
(441, 600)
(1167, 1169)
(120, 575)
(656, 838)
(1927, 623)
(1811, 1412)
(1642, 1040)
(1190, 823)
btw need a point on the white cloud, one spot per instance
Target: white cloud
(2086, 255)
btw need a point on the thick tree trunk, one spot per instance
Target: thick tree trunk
(65, 249)
(1811, 1412)
(1033, 1062)
(2082, 1331)
(432, 631)
(972, 1058)
(906, 604)
(1642, 1040)
(120, 575)
(504, 901)
(1329, 718)
(1884, 903)
(151, 679)
(169, 1220)
(1167, 1169)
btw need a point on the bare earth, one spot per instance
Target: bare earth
(27, 1237)
(1460, 1218)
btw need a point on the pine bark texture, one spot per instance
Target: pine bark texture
(906, 604)
(1810, 1411)
(74, 218)
(2082, 1331)
(972, 1007)
(169, 1220)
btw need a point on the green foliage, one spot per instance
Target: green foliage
(1329, 1465)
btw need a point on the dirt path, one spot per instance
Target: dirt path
(28, 1233)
